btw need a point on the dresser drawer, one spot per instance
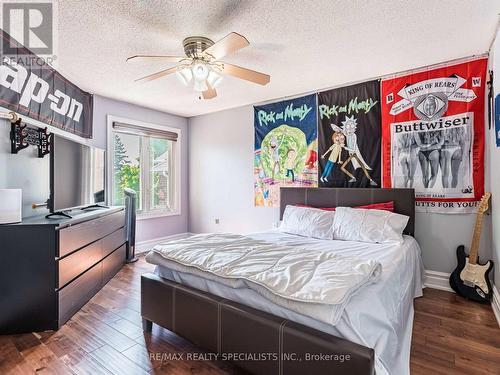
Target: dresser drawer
(113, 241)
(78, 262)
(79, 235)
(74, 295)
(112, 264)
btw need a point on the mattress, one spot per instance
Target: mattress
(379, 316)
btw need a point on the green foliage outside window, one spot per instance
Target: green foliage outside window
(159, 178)
(126, 174)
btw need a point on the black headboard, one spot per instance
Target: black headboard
(404, 199)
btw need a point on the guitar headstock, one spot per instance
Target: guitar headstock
(484, 204)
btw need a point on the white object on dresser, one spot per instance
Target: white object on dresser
(10, 206)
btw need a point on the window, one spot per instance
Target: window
(144, 159)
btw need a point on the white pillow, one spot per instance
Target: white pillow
(308, 222)
(375, 226)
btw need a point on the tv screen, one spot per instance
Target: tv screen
(77, 175)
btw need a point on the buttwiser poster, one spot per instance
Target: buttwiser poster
(433, 135)
(350, 136)
(286, 141)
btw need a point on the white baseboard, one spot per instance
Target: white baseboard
(495, 304)
(144, 246)
(437, 280)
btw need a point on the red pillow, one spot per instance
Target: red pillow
(387, 206)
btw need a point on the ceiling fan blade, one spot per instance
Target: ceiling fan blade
(246, 74)
(157, 75)
(232, 42)
(157, 57)
(210, 93)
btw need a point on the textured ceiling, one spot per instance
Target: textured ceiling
(304, 45)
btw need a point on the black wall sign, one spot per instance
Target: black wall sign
(349, 132)
(32, 88)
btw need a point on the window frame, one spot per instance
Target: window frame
(175, 162)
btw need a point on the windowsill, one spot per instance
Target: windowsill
(155, 215)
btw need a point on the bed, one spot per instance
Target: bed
(374, 328)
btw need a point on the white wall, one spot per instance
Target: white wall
(23, 171)
(221, 186)
(494, 154)
(220, 174)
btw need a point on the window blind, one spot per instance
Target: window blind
(140, 130)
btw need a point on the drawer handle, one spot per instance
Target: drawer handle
(85, 225)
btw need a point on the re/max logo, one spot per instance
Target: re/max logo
(33, 88)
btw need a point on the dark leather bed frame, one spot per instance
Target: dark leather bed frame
(257, 341)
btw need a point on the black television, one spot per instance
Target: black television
(77, 175)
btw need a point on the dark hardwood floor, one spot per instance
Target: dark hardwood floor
(451, 336)
(454, 336)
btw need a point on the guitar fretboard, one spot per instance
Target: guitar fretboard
(476, 238)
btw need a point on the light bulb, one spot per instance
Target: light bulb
(200, 71)
(214, 79)
(185, 75)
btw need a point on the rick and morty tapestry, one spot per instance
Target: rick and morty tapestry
(350, 136)
(286, 143)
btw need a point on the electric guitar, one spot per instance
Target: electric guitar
(470, 278)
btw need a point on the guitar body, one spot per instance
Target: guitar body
(471, 281)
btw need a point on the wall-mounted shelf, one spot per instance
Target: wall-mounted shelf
(22, 136)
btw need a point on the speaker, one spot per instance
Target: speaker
(130, 214)
(11, 203)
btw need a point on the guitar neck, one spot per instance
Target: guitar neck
(476, 238)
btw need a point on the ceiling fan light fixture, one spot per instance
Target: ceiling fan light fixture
(201, 67)
(185, 75)
(200, 71)
(213, 78)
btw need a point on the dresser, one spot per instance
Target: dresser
(50, 268)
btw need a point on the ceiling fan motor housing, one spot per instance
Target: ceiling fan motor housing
(195, 45)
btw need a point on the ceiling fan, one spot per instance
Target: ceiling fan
(202, 66)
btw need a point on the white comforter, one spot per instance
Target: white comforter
(292, 277)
